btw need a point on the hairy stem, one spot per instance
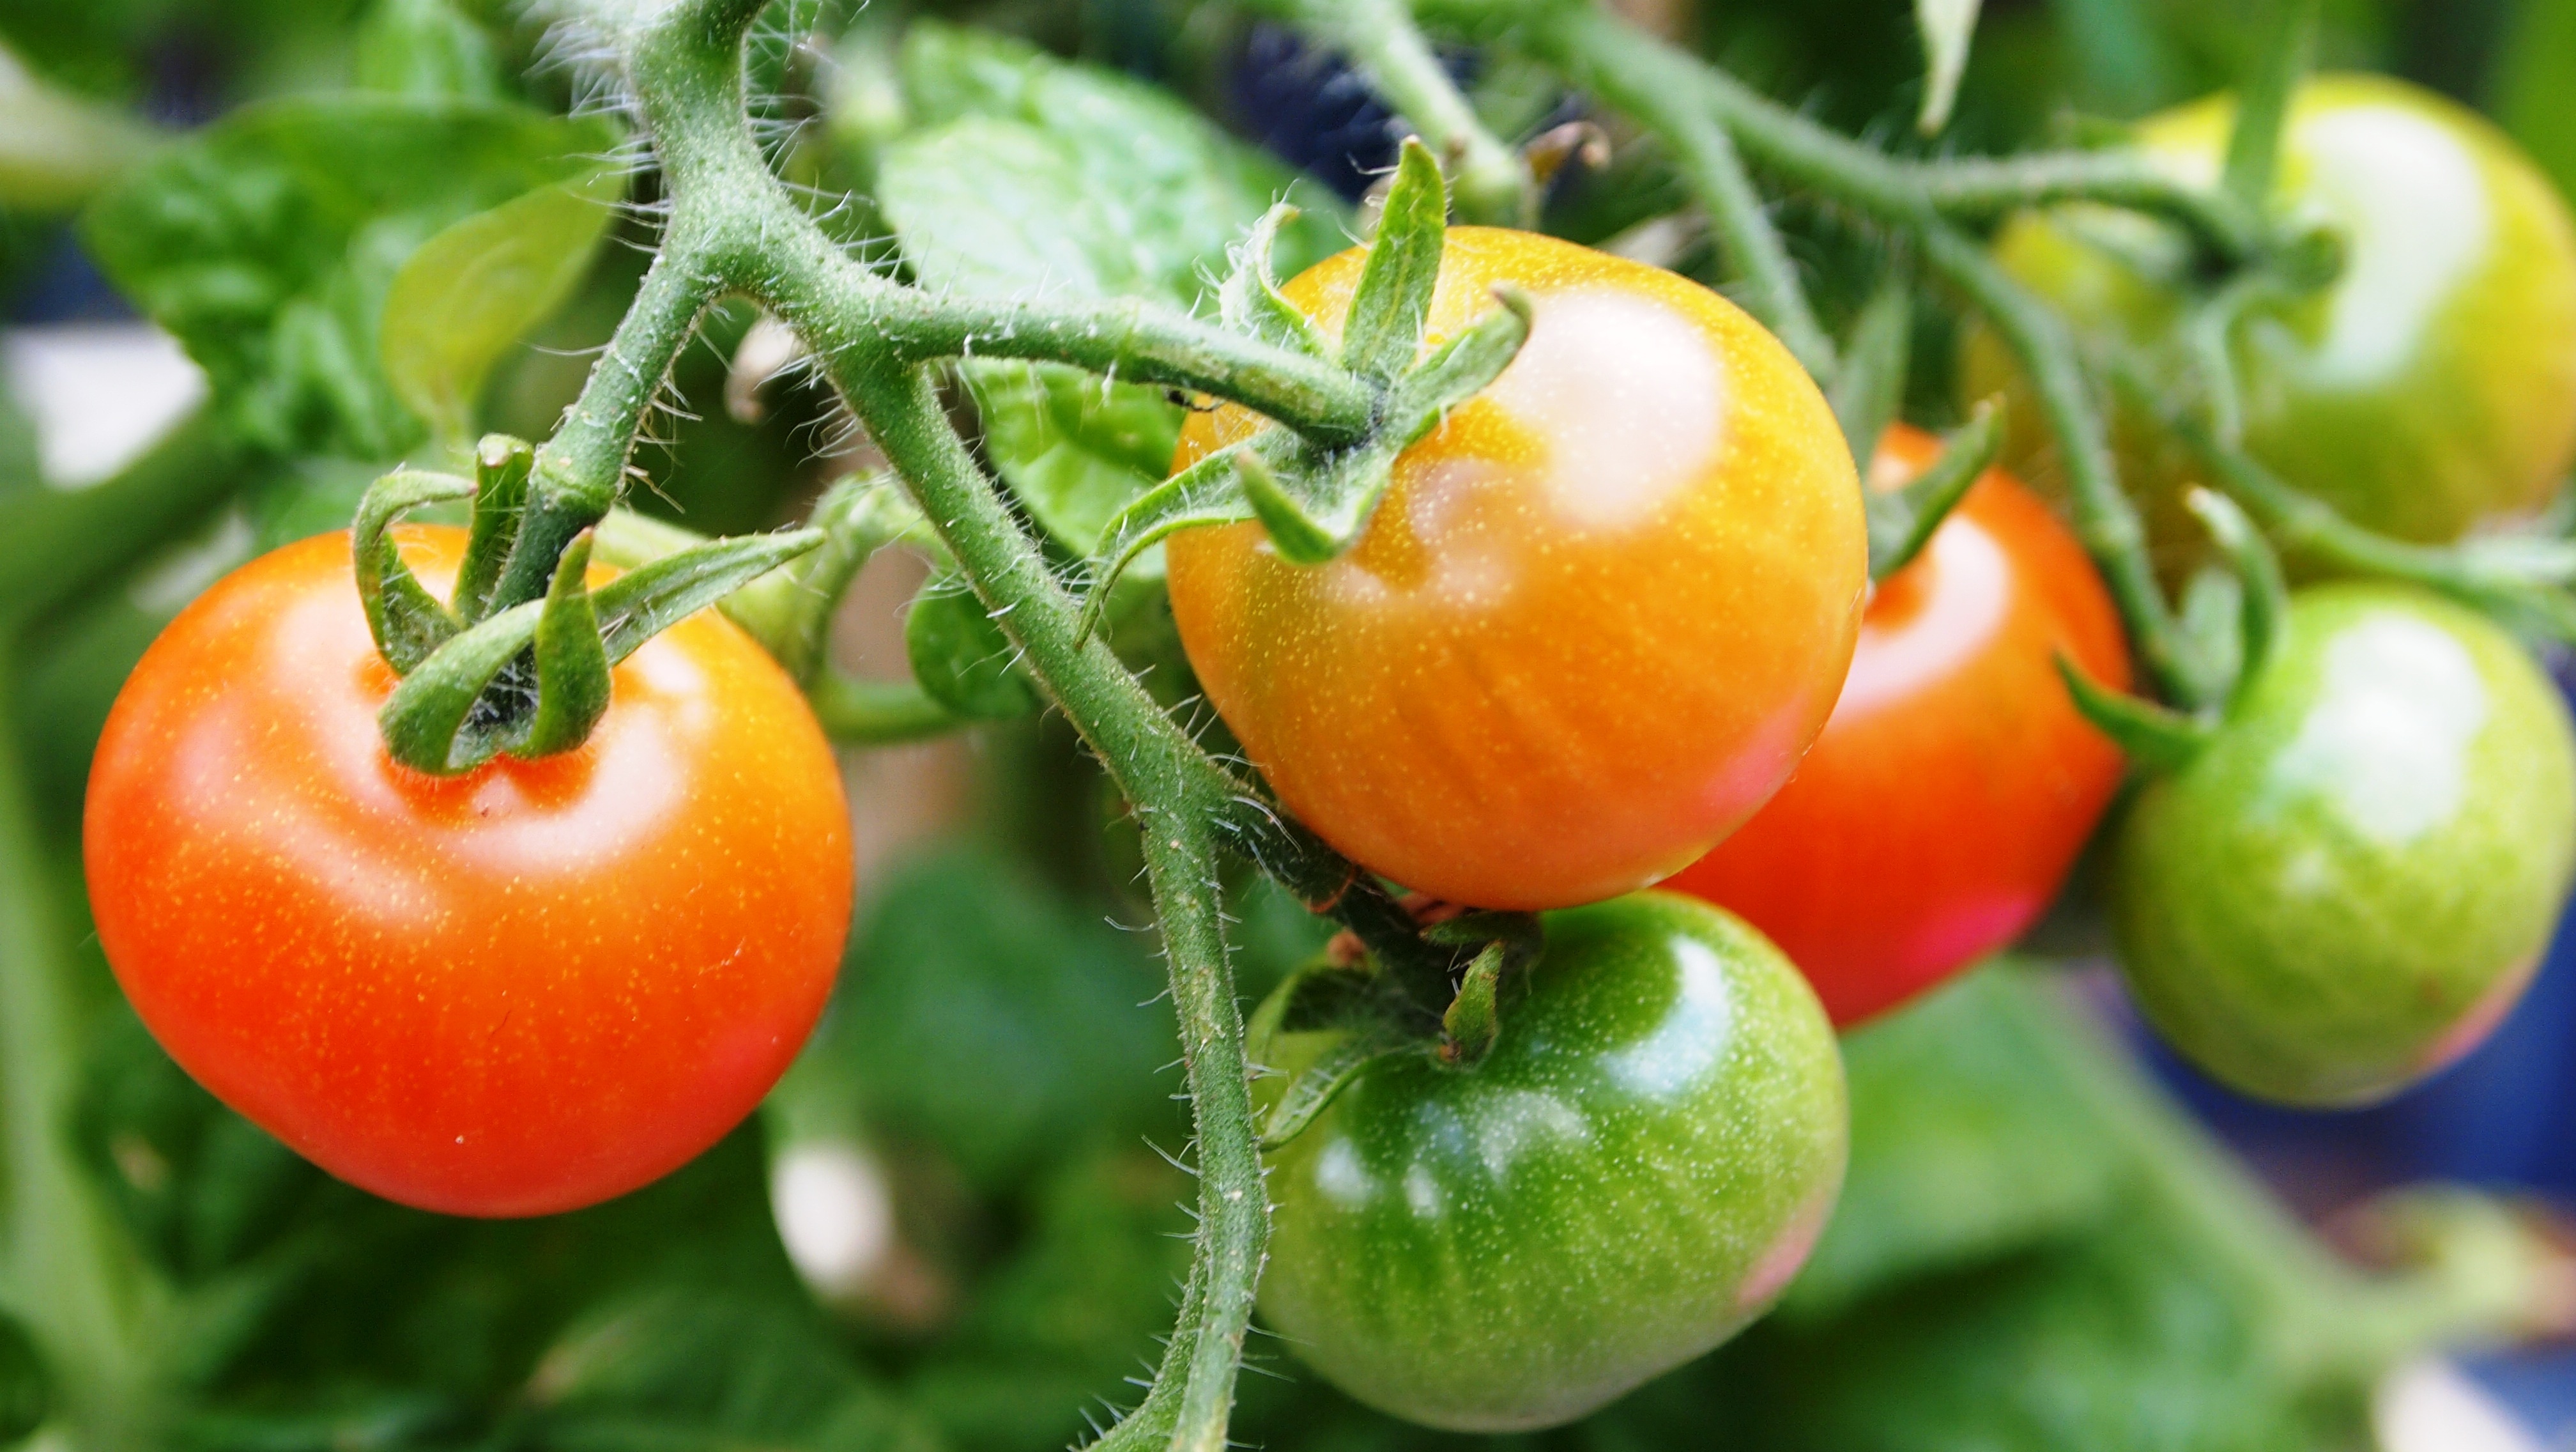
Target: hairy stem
(1847, 172)
(2104, 516)
(1651, 85)
(688, 77)
(1488, 182)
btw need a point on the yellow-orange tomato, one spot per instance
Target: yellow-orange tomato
(1594, 624)
(1954, 786)
(516, 991)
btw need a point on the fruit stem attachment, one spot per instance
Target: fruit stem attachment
(2263, 107)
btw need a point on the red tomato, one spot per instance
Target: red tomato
(1602, 611)
(517, 991)
(1945, 802)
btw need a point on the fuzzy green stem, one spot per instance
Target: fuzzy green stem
(1488, 182)
(1659, 88)
(1847, 172)
(692, 98)
(2263, 108)
(2105, 518)
(580, 471)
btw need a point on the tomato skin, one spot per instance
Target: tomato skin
(2430, 388)
(514, 992)
(1593, 625)
(1943, 806)
(1634, 1172)
(2353, 882)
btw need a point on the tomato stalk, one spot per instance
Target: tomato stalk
(1657, 86)
(2105, 517)
(1491, 183)
(1848, 172)
(2263, 105)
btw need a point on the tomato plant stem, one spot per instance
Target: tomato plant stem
(1488, 182)
(1848, 172)
(2263, 108)
(2105, 517)
(66, 1275)
(1658, 87)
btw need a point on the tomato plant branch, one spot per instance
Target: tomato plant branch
(1657, 86)
(1489, 183)
(66, 1274)
(686, 74)
(1848, 172)
(2104, 516)
(2263, 108)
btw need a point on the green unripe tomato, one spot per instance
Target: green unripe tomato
(2351, 884)
(2429, 388)
(1633, 1172)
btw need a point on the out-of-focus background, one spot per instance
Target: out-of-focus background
(951, 1228)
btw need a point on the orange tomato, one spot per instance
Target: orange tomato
(517, 991)
(1593, 625)
(1949, 795)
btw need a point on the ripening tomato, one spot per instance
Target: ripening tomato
(1594, 624)
(1949, 795)
(1635, 1171)
(512, 992)
(2352, 882)
(2429, 388)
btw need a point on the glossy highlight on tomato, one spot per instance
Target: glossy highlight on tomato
(2430, 388)
(1633, 1173)
(518, 991)
(2352, 883)
(1594, 624)
(1943, 806)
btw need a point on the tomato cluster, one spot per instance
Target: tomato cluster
(1611, 625)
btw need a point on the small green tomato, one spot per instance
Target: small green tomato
(1635, 1171)
(2351, 884)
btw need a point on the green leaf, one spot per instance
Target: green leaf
(269, 242)
(962, 659)
(1964, 1146)
(1074, 448)
(1168, 191)
(966, 960)
(471, 292)
(1033, 176)
(427, 48)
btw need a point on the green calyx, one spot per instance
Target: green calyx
(1382, 1004)
(1315, 500)
(482, 676)
(2229, 632)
